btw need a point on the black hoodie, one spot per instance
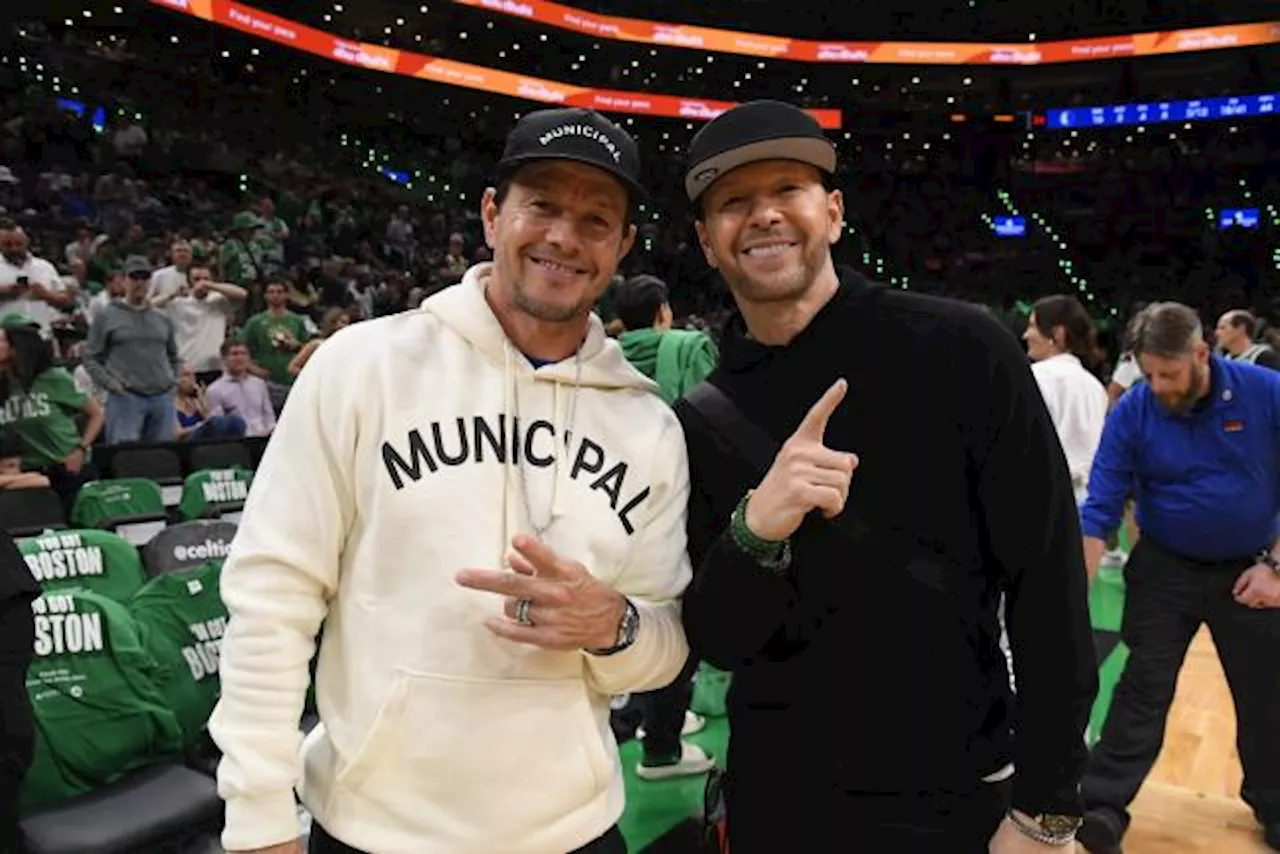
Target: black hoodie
(872, 665)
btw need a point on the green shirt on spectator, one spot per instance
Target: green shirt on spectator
(41, 420)
(242, 264)
(262, 334)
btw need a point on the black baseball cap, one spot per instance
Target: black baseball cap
(578, 134)
(756, 130)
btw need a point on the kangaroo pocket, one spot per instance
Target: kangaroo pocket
(467, 761)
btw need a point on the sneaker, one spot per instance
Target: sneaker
(1100, 833)
(1271, 834)
(693, 761)
(1114, 558)
(693, 722)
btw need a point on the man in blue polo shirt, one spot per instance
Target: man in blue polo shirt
(1198, 444)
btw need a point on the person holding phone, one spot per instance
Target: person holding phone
(29, 285)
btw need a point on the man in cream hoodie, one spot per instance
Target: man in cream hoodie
(484, 505)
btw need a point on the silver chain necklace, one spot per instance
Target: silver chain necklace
(558, 450)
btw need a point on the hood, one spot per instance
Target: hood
(599, 364)
(464, 309)
(640, 347)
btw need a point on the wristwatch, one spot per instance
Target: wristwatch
(628, 629)
(1270, 560)
(1048, 828)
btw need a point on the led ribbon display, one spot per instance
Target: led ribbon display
(282, 31)
(713, 40)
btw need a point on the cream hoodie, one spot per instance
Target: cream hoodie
(401, 459)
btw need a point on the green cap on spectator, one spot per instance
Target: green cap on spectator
(245, 221)
(17, 320)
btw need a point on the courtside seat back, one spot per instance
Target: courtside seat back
(181, 620)
(215, 493)
(187, 545)
(85, 559)
(95, 695)
(132, 507)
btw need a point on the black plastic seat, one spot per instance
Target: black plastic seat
(29, 512)
(186, 545)
(151, 810)
(162, 465)
(159, 464)
(220, 455)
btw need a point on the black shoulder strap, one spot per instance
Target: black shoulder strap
(732, 424)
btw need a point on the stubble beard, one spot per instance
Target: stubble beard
(785, 286)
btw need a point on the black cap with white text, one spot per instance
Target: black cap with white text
(754, 131)
(577, 134)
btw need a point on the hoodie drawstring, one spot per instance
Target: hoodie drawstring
(562, 428)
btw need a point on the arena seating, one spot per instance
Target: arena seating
(132, 507)
(166, 799)
(186, 545)
(25, 512)
(161, 808)
(161, 465)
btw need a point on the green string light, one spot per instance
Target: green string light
(871, 259)
(1064, 261)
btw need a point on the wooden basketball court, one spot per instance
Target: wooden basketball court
(1191, 802)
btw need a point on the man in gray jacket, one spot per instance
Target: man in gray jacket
(133, 355)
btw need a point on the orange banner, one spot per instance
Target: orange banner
(881, 52)
(282, 31)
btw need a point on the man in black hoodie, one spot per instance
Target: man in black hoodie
(852, 589)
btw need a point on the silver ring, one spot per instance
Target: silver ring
(522, 612)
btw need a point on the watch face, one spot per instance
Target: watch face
(630, 625)
(1060, 824)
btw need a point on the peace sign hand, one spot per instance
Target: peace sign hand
(566, 607)
(805, 476)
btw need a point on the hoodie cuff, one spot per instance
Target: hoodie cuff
(260, 822)
(1041, 800)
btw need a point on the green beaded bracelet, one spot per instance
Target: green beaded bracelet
(770, 553)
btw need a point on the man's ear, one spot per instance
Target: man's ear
(704, 242)
(1200, 352)
(489, 215)
(628, 241)
(835, 211)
